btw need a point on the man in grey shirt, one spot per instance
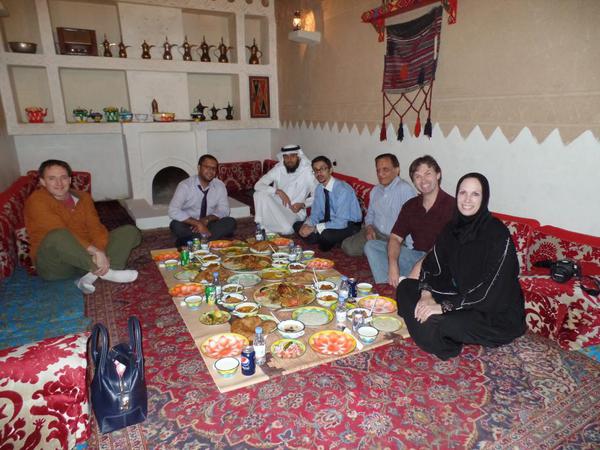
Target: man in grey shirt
(385, 201)
(200, 206)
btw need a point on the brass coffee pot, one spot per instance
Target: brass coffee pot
(222, 49)
(187, 50)
(204, 50)
(255, 53)
(146, 50)
(167, 49)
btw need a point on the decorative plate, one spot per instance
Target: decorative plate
(313, 316)
(286, 295)
(233, 251)
(320, 264)
(222, 243)
(216, 317)
(332, 343)
(281, 242)
(247, 263)
(262, 248)
(288, 348)
(272, 274)
(166, 255)
(387, 323)
(245, 279)
(185, 289)
(224, 344)
(186, 275)
(383, 305)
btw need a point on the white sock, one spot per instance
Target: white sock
(86, 283)
(120, 276)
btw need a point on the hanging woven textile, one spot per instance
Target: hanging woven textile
(409, 72)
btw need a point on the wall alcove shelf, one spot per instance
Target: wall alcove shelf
(61, 83)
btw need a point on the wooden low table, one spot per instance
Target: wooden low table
(274, 366)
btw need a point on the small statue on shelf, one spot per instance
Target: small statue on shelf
(198, 113)
(123, 49)
(106, 45)
(187, 50)
(146, 50)
(204, 50)
(167, 47)
(255, 53)
(229, 110)
(214, 110)
(154, 105)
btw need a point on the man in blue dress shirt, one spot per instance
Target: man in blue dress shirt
(200, 206)
(385, 201)
(335, 213)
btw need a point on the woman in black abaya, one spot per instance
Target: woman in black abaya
(468, 291)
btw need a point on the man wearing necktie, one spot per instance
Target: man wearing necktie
(200, 206)
(335, 213)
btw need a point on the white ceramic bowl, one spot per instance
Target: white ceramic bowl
(246, 309)
(367, 334)
(230, 301)
(296, 267)
(291, 329)
(363, 289)
(325, 286)
(279, 264)
(227, 367)
(279, 255)
(308, 254)
(323, 298)
(353, 311)
(194, 301)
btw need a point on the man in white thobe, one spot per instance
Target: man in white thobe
(282, 194)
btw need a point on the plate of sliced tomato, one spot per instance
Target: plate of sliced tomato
(332, 342)
(163, 256)
(320, 264)
(220, 243)
(224, 344)
(185, 289)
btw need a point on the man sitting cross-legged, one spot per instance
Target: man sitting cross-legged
(335, 213)
(200, 206)
(385, 201)
(284, 192)
(67, 237)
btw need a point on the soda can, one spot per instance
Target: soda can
(248, 361)
(184, 257)
(211, 294)
(352, 287)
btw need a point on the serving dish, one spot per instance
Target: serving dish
(320, 264)
(387, 324)
(247, 263)
(216, 317)
(332, 342)
(163, 117)
(288, 348)
(186, 289)
(313, 316)
(230, 301)
(245, 309)
(227, 367)
(286, 295)
(382, 305)
(272, 274)
(223, 344)
(291, 329)
(245, 279)
(22, 47)
(327, 298)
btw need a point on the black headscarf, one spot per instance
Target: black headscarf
(465, 228)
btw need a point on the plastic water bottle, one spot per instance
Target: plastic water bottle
(204, 242)
(259, 346)
(292, 253)
(340, 312)
(258, 235)
(217, 285)
(344, 288)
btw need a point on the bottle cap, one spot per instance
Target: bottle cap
(258, 330)
(215, 274)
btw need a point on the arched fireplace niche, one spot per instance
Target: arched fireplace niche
(164, 184)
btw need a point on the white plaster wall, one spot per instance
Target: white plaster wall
(554, 183)
(9, 164)
(240, 145)
(101, 154)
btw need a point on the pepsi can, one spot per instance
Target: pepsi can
(248, 361)
(352, 287)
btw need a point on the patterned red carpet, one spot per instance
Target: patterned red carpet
(529, 394)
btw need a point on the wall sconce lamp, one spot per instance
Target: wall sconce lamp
(299, 34)
(296, 21)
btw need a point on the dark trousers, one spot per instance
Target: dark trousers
(330, 237)
(219, 229)
(444, 334)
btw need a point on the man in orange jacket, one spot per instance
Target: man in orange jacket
(67, 237)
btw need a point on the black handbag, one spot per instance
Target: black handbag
(118, 389)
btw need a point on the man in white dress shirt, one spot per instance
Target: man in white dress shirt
(200, 206)
(284, 192)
